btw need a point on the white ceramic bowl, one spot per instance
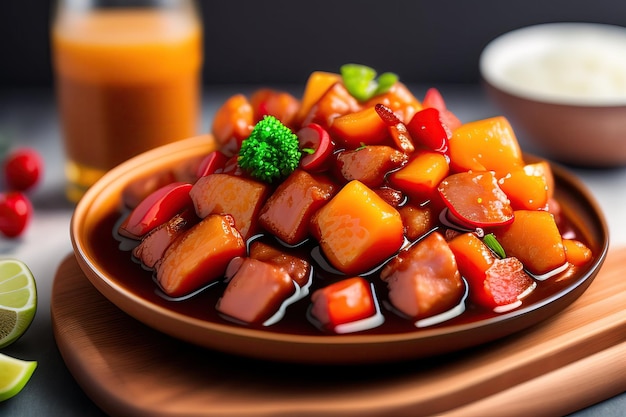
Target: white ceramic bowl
(563, 87)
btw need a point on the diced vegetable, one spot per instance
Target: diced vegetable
(214, 161)
(485, 145)
(200, 256)
(357, 229)
(434, 99)
(426, 129)
(316, 147)
(160, 206)
(534, 238)
(335, 102)
(342, 302)
(363, 127)
(316, 86)
(493, 282)
(576, 252)
(526, 191)
(421, 176)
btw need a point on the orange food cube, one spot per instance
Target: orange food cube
(357, 229)
(542, 169)
(335, 102)
(200, 256)
(534, 238)
(525, 190)
(364, 127)
(485, 145)
(420, 177)
(342, 302)
(240, 197)
(318, 83)
(576, 252)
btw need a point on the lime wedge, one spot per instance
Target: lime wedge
(14, 374)
(18, 300)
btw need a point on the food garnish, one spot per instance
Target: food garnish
(271, 152)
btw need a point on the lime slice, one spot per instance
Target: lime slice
(18, 300)
(14, 374)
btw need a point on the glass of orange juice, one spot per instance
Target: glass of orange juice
(128, 79)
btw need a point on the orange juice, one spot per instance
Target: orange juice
(127, 81)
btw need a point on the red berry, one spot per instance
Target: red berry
(15, 213)
(22, 169)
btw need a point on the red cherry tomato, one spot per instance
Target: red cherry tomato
(314, 137)
(157, 208)
(476, 199)
(15, 213)
(22, 169)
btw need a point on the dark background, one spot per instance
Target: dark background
(282, 41)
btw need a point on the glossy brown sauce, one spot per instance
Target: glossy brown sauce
(129, 274)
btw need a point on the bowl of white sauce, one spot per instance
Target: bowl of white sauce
(563, 88)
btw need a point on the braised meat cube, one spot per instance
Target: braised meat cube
(240, 197)
(298, 269)
(369, 164)
(288, 211)
(256, 291)
(154, 244)
(424, 280)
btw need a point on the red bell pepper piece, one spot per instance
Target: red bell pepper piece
(156, 209)
(434, 99)
(426, 128)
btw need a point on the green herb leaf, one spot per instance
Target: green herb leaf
(361, 82)
(493, 244)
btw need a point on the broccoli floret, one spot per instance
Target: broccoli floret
(271, 152)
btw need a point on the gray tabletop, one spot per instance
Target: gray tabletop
(30, 118)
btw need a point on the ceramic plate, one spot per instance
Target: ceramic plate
(130, 288)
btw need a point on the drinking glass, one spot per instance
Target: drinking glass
(127, 78)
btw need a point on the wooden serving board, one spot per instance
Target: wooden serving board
(559, 366)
